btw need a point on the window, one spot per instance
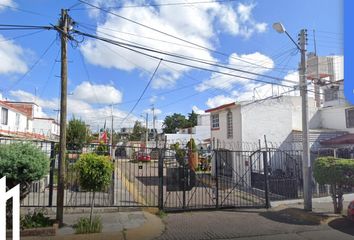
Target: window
(331, 94)
(27, 124)
(229, 125)
(4, 116)
(17, 123)
(349, 115)
(214, 121)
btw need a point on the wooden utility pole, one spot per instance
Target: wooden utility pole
(63, 31)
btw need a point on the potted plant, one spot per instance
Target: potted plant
(192, 154)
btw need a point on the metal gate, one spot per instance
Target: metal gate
(224, 183)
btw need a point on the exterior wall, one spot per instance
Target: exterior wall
(219, 136)
(203, 120)
(334, 118)
(11, 124)
(46, 127)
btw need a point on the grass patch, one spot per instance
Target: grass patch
(83, 225)
(161, 214)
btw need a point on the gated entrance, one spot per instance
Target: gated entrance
(179, 180)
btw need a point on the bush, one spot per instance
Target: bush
(102, 149)
(36, 220)
(338, 173)
(22, 163)
(85, 225)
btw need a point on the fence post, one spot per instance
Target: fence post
(266, 180)
(51, 173)
(160, 175)
(216, 179)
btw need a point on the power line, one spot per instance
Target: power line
(171, 35)
(123, 45)
(141, 45)
(165, 4)
(21, 36)
(142, 94)
(22, 27)
(32, 67)
(24, 10)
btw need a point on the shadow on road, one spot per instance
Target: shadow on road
(293, 216)
(343, 225)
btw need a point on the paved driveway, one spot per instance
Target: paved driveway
(251, 224)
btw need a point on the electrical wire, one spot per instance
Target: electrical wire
(32, 66)
(142, 94)
(128, 47)
(171, 35)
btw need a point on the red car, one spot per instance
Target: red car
(350, 212)
(142, 156)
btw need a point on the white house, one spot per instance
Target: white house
(47, 127)
(14, 121)
(236, 125)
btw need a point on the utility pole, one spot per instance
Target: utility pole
(112, 152)
(306, 161)
(63, 30)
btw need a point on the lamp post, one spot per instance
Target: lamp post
(306, 161)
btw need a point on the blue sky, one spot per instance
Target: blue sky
(100, 74)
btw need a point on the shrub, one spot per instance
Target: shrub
(95, 173)
(85, 225)
(22, 163)
(102, 149)
(338, 173)
(36, 220)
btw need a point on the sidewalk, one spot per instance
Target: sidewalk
(116, 225)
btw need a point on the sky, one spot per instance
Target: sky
(233, 34)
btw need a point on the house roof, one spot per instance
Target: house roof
(220, 107)
(14, 108)
(341, 140)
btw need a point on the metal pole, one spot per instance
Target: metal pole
(63, 114)
(147, 131)
(306, 161)
(111, 142)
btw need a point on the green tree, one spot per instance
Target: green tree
(77, 134)
(138, 132)
(22, 163)
(95, 174)
(172, 123)
(192, 119)
(338, 173)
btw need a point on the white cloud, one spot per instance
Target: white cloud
(219, 100)
(197, 110)
(102, 94)
(80, 109)
(6, 3)
(199, 24)
(254, 62)
(11, 57)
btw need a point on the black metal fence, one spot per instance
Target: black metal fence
(176, 180)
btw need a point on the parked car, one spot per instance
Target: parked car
(143, 156)
(350, 212)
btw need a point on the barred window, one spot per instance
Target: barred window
(331, 94)
(214, 121)
(349, 115)
(229, 125)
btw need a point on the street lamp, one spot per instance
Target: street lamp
(306, 161)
